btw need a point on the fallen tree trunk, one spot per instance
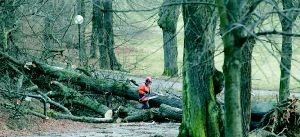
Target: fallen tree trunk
(73, 97)
(42, 75)
(163, 113)
(118, 87)
(171, 113)
(82, 119)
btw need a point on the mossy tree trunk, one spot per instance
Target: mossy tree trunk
(287, 20)
(201, 114)
(230, 14)
(246, 66)
(98, 34)
(109, 35)
(246, 85)
(8, 22)
(73, 97)
(96, 18)
(47, 37)
(168, 17)
(81, 36)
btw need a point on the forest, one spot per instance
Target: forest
(208, 66)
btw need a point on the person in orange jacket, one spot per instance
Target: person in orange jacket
(144, 91)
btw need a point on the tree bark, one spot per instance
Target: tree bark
(287, 20)
(109, 35)
(229, 14)
(73, 97)
(47, 37)
(82, 119)
(41, 74)
(201, 114)
(81, 36)
(246, 88)
(246, 66)
(96, 19)
(168, 17)
(7, 24)
(163, 113)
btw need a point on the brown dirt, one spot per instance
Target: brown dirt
(41, 126)
(52, 127)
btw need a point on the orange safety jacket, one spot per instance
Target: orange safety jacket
(143, 89)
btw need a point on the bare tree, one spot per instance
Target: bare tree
(230, 13)
(287, 20)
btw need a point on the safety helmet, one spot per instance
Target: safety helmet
(148, 79)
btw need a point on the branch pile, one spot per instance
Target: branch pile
(284, 119)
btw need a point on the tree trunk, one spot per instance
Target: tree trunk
(3, 36)
(47, 37)
(233, 41)
(287, 20)
(246, 83)
(95, 28)
(201, 114)
(109, 35)
(8, 21)
(170, 53)
(73, 97)
(98, 31)
(81, 35)
(168, 17)
(42, 74)
(82, 119)
(163, 113)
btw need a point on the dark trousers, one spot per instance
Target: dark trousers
(145, 103)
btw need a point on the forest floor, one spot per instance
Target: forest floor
(66, 128)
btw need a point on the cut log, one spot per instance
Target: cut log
(82, 119)
(142, 115)
(171, 113)
(163, 113)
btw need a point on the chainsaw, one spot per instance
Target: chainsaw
(145, 98)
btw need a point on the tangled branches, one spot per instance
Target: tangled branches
(284, 119)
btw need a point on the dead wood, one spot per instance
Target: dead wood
(75, 97)
(118, 87)
(283, 119)
(163, 113)
(82, 118)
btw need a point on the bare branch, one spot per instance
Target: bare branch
(275, 32)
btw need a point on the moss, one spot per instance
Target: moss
(169, 72)
(197, 122)
(120, 86)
